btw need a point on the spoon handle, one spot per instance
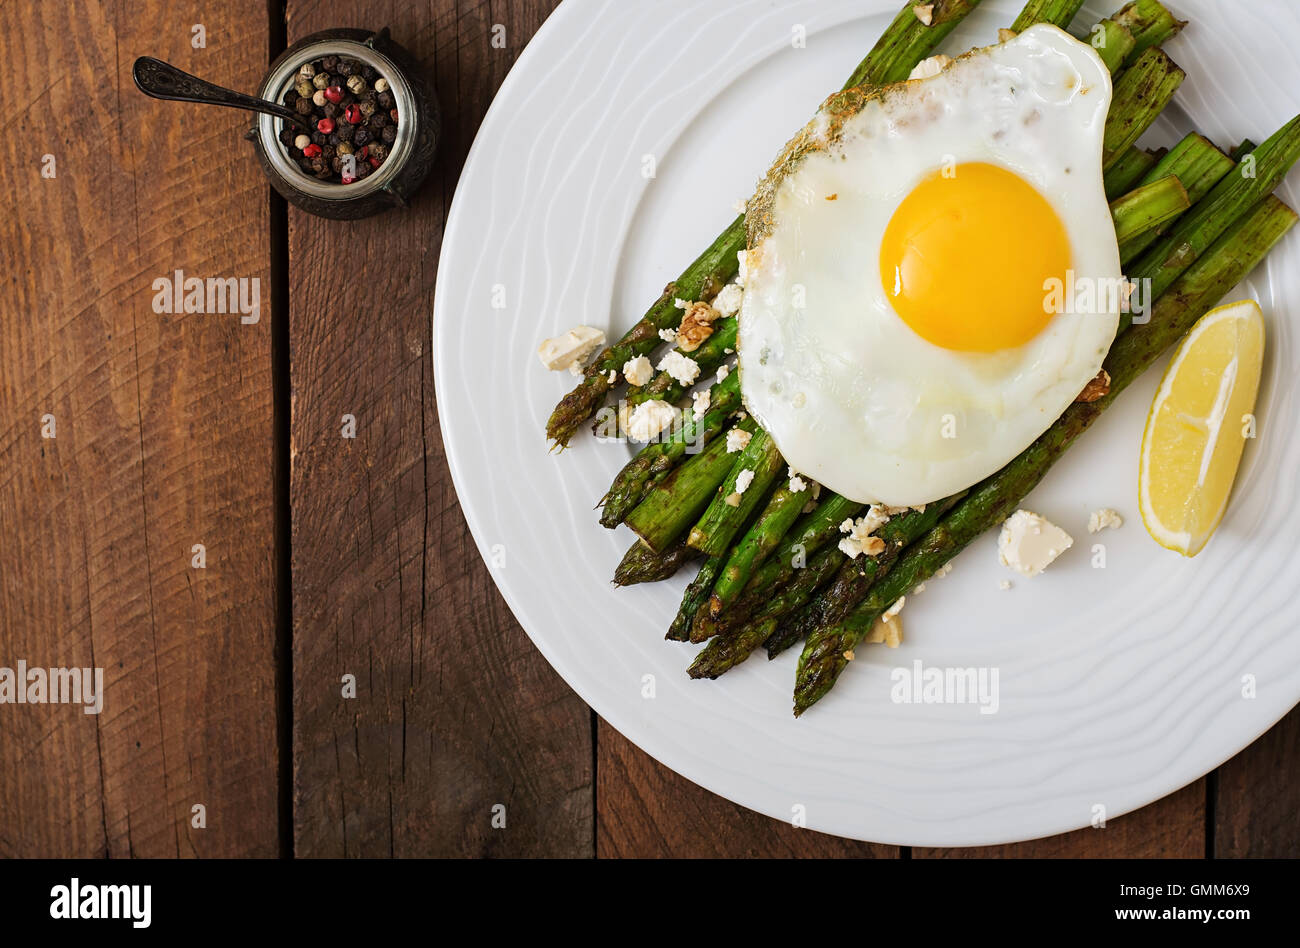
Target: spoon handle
(162, 80)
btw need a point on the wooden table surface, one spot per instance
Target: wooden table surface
(325, 556)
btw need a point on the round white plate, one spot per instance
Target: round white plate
(1117, 683)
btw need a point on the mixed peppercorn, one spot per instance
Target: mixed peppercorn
(349, 119)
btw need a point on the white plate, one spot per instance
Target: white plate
(1117, 685)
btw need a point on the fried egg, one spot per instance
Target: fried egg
(932, 275)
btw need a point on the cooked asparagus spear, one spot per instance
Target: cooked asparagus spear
(658, 458)
(1150, 24)
(640, 564)
(694, 597)
(1145, 208)
(857, 575)
(1237, 251)
(1113, 42)
(1259, 173)
(743, 489)
(1129, 170)
(1198, 165)
(1057, 12)
(676, 501)
(757, 544)
(1141, 93)
(805, 539)
(734, 646)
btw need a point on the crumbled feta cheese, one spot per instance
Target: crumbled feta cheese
(638, 371)
(817, 490)
(1029, 543)
(613, 376)
(924, 13)
(723, 372)
(570, 350)
(886, 631)
(728, 351)
(732, 500)
(743, 480)
(727, 302)
(798, 485)
(929, 68)
(681, 303)
(1005, 584)
(650, 418)
(737, 438)
(743, 270)
(700, 402)
(860, 540)
(669, 336)
(895, 609)
(1099, 520)
(739, 205)
(1005, 35)
(682, 368)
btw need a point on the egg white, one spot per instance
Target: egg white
(851, 394)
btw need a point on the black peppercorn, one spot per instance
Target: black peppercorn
(369, 73)
(329, 63)
(347, 66)
(330, 109)
(377, 121)
(388, 134)
(385, 100)
(345, 132)
(303, 106)
(367, 109)
(286, 136)
(362, 136)
(317, 138)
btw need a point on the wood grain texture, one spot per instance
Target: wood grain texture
(163, 440)
(1257, 797)
(1170, 828)
(456, 712)
(647, 811)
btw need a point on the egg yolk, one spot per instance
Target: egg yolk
(965, 259)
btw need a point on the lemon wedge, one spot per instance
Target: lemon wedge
(1198, 425)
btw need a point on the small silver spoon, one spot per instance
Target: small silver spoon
(162, 80)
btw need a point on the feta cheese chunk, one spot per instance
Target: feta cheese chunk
(1029, 543)
(798, 485)
(682, 368)
(723, 372)
(1099, 520)
(860, 541)
(650, 418)
(571, 350)
(743, 480)
(700, 403)
(737, 438)
(638, 371)
(727, 302)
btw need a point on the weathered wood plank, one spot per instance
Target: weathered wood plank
(162, 441)
(1257, 797)
(455, 711)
